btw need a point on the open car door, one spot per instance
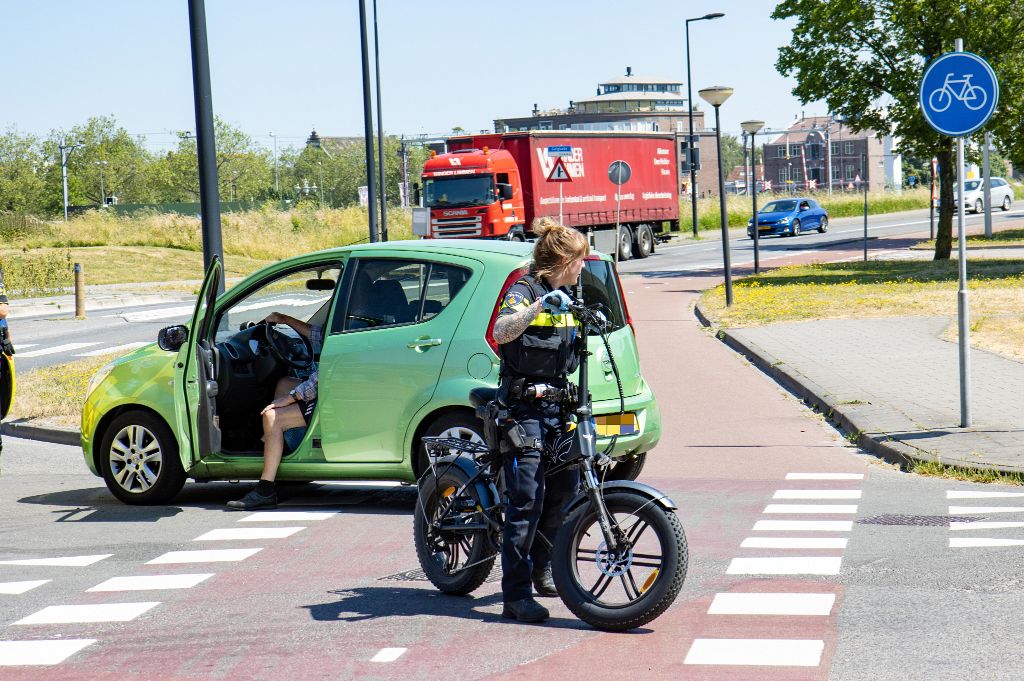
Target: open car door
(197, 373)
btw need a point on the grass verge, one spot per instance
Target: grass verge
(882, 289)
(940, 470)
(1002, 239)
(56, 393)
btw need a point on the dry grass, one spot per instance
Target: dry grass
(55, 393)
(882, 289)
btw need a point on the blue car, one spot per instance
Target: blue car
(789, 217)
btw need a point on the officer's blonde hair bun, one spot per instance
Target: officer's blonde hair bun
(556, 246)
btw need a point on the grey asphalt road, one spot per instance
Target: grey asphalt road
(706, 255)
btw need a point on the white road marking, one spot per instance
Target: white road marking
(810, 508)
(14, 588)
(67, 347)
(793, 543)
(971, 494)
(69, 561)
(802, 565)
(966, 510)
(99, 612)
(211, 556)
(991, 525)
(803, 526)
(151, 582)
(180, 312)
(290, 516)
(22, 346)
(122, 349)
(772, 604)
(40, 653)
(978, 542)
(756, 652)
(388, 654)
(824, 476)
(247, 533)
(817, 494)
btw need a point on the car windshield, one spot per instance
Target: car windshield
(779, 207)
(475, 190)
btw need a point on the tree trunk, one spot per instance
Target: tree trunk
(947, 177)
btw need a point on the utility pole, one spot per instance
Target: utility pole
(65, 152)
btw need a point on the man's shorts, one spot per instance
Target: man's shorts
(307, 409)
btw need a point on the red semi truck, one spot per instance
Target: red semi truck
(493, 186)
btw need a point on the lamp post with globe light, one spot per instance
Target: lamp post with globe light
(752, 128)
(716, 96)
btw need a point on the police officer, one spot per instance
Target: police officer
(6, 346)
(537, 337)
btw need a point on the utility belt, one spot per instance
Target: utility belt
(523, 388)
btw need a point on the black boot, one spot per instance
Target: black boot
(526, 610)
(543, 582)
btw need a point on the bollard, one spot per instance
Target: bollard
(79, 291)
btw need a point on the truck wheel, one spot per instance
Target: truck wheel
(644, 245)
(625, 243)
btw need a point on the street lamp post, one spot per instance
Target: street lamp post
(65, 152)
(751, 128)
(716, 96)
(689, 106)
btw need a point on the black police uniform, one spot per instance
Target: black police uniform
(8, 349)
(545, 353)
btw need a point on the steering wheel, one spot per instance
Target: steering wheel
(281, 348)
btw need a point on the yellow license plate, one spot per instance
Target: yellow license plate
(616, 424)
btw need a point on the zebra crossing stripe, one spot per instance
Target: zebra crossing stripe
(802, 565)
(120, 349)
(289, 516)
(811, 508)
(963, 510)
(803, 526)
(150, 582)
(40, 653)
(77, 614)
(990, 525)
(794, 543)
(214, 556)
(817, 494)
(248, 533)
(972, 494)
(824, 476)
(802, 604)
(68, 561)
(67, 347)
(767, 652)
(15, 588)
(979, 542)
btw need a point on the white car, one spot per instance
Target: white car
(974, 193)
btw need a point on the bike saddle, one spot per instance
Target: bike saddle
(479, 397)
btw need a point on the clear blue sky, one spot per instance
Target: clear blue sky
(289, 66)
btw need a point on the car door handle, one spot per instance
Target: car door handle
(424, 343)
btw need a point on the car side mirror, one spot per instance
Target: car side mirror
(505, 190)
(171, 338)
(320, 284)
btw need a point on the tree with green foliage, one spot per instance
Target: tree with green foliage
(865, 59)
(23, 183)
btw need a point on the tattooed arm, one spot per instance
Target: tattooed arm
(508, 327)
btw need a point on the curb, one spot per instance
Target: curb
(68, 307)
(818, 398)
(54, 434)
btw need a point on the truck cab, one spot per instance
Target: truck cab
(474, 193)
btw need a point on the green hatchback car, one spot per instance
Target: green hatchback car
(407, 335)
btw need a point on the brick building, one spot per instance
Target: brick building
(805, 151)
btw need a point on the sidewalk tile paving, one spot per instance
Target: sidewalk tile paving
(895, 382)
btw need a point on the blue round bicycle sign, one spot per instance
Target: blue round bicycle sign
(959, 92)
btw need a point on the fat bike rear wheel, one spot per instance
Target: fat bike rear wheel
(626, 588)
(455, 560)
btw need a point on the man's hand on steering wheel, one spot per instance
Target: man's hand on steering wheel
(281, 348)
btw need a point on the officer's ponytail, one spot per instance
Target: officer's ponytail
(556, 246)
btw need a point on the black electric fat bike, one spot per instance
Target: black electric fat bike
(620, 557)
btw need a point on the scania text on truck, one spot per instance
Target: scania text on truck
(493, 186)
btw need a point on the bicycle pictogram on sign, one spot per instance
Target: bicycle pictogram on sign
(972, 96)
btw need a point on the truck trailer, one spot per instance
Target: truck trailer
(493, 186)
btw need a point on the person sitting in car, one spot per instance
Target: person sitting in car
(292, 407)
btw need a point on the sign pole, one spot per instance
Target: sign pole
(963, 304)
(561, 221)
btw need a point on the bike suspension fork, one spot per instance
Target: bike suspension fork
(592, 488)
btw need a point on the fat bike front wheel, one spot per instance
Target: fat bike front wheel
(630, 586)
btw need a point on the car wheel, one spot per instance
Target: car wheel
(823, 225)
(139, 459)
(644, 245)
(1006, 203)
(627, 468)
(795, 231)
(462, 424)
(625, 243)
(978, 206)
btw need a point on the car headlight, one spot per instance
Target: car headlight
(784, 221)
(97, 378)
(750, 222)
